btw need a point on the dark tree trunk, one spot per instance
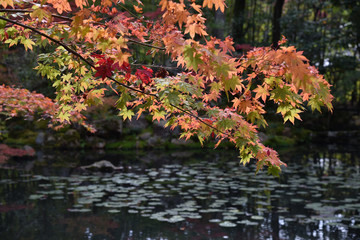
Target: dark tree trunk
(276, 29)
(238, 21)
(219, 24)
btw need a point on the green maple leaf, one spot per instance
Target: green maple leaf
(192, 58)
(124, 98)
(280, 93)
(231, 83)
(39, 13)
(315, 104)
(64, 116)
(28, 43)
(292, 114)
(173, 98)
(274, 170)
(212, 112)
(67, 77)
(126, 113)
(283, 108)
(158, 115)
(245, 155)
(226, 123)
(12, 42)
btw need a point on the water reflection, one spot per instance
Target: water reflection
(180, 195)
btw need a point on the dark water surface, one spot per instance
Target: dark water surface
(202, 194)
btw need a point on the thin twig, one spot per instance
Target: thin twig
(146, 44)
(152, 66)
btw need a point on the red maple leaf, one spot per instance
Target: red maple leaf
(106, 66)
(144, 74)
(125, 67)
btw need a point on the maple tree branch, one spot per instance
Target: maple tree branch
(198, 118)
(152, 66)
(146, 44)
(111, 78)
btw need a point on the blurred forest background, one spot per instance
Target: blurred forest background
(328, 31)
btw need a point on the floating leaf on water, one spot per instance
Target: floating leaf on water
(260, 210)
(256, 217)
(80, 210)
(211, 210)
(215, 220)
(194, 216)
(247, 222)
(263, 203)
(57, 197)
(85, 201)
(227, 224)
(54, 192)
(229, 218)
(315, 205)
(133, 211)
(302, 192)
(235, 212)
(113, 211)
(45, 185)
(175, 219)
(37, 196)
(337, 224)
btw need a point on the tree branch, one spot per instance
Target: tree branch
(113, 79)
(152, 66)
(146, 44)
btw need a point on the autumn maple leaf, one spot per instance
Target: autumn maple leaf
(125, 67)
(105, 66)
(144, 74)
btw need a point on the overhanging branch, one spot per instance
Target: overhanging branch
(113, 79)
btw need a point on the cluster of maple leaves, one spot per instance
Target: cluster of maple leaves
(210, 68)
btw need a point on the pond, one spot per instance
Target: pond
(200, 194)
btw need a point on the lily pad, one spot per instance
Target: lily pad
(227, 224)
